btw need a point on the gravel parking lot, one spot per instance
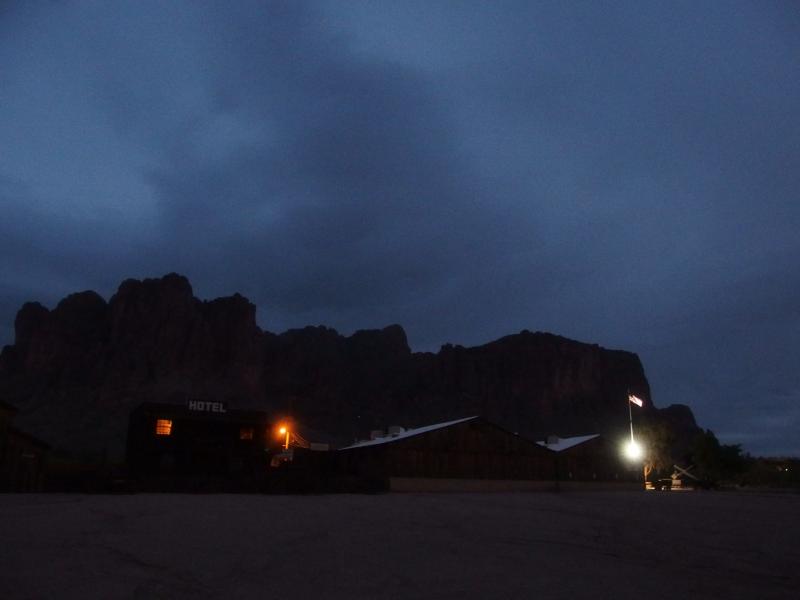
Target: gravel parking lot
(501, 545)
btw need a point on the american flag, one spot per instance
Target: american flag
(636, 400)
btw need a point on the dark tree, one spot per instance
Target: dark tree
(658, 439)
(714, 461)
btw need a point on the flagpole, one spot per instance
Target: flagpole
(630, 415)
(630, 420)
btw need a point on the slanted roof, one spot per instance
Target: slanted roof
(565, 443)
(31, 439)
(407, 434)
(8, 407)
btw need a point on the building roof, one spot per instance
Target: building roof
(566, 443)
(8, 407)
(396, 437)
(31, 439)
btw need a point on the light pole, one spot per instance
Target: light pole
(284, 430)
(633, 450)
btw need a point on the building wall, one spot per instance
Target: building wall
(594, 460)
(201, 449)
(6, 414)
(23, 458)
(427, 484)
(24, 463)
(473, 449)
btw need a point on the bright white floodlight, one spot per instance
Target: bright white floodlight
(633, 451)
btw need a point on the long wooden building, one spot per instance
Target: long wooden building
(590, 458)
(469, 449)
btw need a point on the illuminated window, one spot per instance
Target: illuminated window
(163, 426)
(246, 433)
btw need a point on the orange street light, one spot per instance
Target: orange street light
(284, 430)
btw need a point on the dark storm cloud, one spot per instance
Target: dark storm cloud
(354, 191)
(625, 175)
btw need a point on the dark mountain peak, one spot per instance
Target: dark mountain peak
(169, 293)
(390, 341)
(527, 338)
(232, 311)
(81, 317)
(539, 382)
(679, 415)
(87, 363)
(171, 284)
(396, 333)
(30, 319)
(81, 302)
(312, 334)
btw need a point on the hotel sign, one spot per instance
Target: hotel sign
(207, 406)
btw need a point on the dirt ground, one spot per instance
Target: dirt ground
(503, 545)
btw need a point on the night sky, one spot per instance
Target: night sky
(620, 174)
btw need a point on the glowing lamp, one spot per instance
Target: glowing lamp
(284, 433)
(633, 451)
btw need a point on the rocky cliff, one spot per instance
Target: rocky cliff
(76, 371)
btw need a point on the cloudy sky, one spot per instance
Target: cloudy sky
(621, 174)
